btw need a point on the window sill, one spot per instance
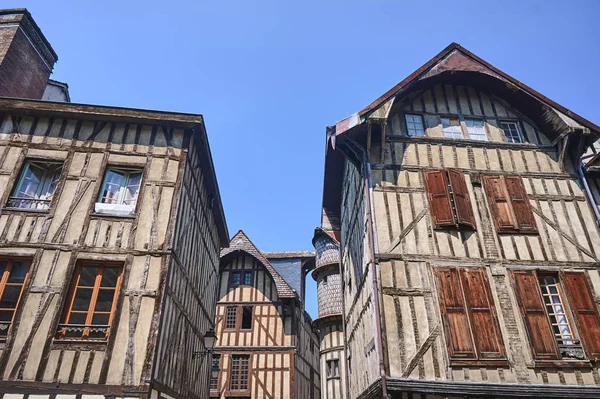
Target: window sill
(244, 393)
(87, 344)
(333, 378)
(506, 231)
(33, 212)
(110, 215)
(483, 363)
(561, 364)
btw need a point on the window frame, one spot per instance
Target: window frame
(516, 220)
(242, 280)
(468, 133)
(517, 124)
(460, 127)
(227, 315)
(61, 333)
(3, 283)
(48, 178)
(241, 311)
(407, 126)
(332, 373)
(119, 209)
(232, 358)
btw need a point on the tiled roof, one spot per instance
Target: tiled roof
(241, 243)
(288, 254)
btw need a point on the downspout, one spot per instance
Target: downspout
(374, 282)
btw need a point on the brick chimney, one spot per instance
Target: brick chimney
(26, 57)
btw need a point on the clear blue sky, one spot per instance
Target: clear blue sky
(268, 76)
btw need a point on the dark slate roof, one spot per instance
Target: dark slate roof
(288, 254)
(241, 243)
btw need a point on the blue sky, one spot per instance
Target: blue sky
(269, 76)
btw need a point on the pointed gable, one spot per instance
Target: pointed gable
(240, 243)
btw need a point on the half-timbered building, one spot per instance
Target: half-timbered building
(266, 347)
(469, 247)
(111, 226)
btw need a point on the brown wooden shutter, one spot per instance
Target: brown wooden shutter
(440, 206)
(486, 330)
(462, 202)
(520, 204)
(499, 203)
(454, 313)
(583, 307)
(532, 307)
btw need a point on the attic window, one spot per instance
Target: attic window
(452, 128)
(414, 125)
(512, 132)
(476, 129)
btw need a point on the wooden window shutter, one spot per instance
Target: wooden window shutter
(500, 204)
(536, 321)
(454, 313)
(582, 305)
(440, 207)
(524, 219)
(462, 202)
(487, 336)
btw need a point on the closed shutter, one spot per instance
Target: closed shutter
(499, 203)
(536, 321)
(486, 330)
(454, 313)
(520, 204)
(585, 310)
(440, 206)
(462, 202)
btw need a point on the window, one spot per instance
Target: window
(449, 202)
(468, 314)
(550, 322)
(36, 185)
(231, 317)
(14, 273)
(214, 376)
(475, 129)
(509, 204)
(333, 368)
(239, 372)
(91, 302)
(246, 317)
(414, 125)
(512, 132)
(238, 278)
(451, 127)
(119, 192)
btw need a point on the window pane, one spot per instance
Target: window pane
(133, 186)
(30, 184)
(6, 315)
(475, 129)
(10, 296)
(414, 125)
(112, 187)
(105, 300)
(83, 296)
(451, 127)
(77, 318)
(3, 264)
(100, 319)
(18, 272)
(248, 278)
(236, 278)
(230, 317)
(88, 276)
(110, 276)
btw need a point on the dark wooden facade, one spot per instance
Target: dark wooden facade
(266, 345)
(468, 239)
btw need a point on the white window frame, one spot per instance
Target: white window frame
(454, 131)
(412, 124)
(45, 191)
(510, 137)
(118, 209)
(473, 131)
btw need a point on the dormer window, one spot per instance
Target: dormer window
(452, 128)
(475, 129)
(414, 125)
(512, 132)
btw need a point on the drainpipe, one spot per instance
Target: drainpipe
(375, 285)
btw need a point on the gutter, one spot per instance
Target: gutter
(588, 191)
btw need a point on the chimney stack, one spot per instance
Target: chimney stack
(26, 57)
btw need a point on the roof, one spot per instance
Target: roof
(195, 122)
(289, 254)
(456, 64)
(240, 243)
